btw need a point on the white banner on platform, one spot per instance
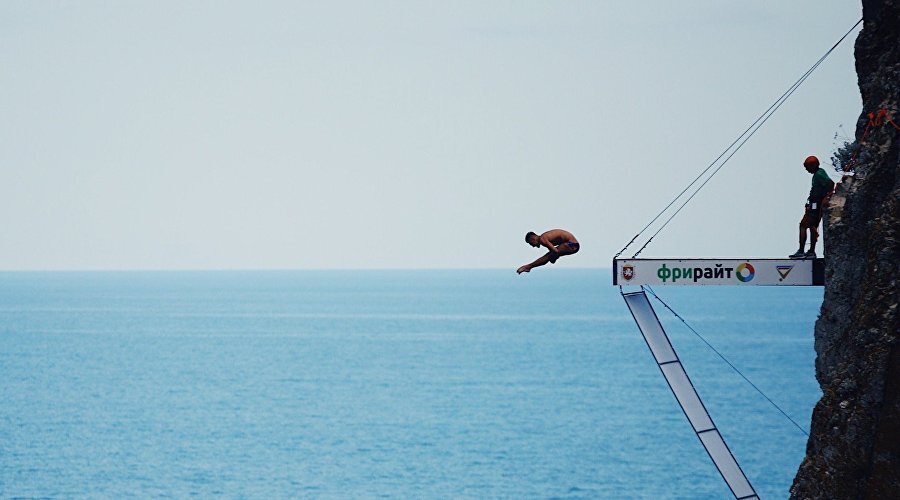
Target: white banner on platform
(738, 272)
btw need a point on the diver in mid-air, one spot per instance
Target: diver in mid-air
(559, 242)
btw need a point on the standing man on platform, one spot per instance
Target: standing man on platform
(822, 185)
(559, 242)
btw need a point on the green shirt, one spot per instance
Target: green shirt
(821, 185)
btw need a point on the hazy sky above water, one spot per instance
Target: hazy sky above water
(306, 135)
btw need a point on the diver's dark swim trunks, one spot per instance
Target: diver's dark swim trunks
(567, 248)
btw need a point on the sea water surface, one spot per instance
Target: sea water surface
(400, 384)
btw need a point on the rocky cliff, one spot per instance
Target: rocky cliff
(854, 444)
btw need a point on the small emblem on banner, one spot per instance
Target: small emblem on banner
(744, 272)
(628, 272)
(783, 271)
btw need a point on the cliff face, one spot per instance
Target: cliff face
(854, 445)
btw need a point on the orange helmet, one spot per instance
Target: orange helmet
(811, 161)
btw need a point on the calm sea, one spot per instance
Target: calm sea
(401, 384)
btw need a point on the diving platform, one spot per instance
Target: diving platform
(735, 272)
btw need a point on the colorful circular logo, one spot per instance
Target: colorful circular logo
(744, 272)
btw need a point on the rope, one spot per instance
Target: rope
(742, 139)
(729, 363)
(852, 163)
(877, 119)
(889, 120)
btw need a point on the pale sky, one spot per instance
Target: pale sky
(349, 135)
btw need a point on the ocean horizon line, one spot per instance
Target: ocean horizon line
(298, 269)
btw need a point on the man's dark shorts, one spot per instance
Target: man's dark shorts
(811, 218)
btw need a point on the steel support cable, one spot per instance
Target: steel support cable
(700, 175)
(749, 130)
(714, 172)
(729, 363)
